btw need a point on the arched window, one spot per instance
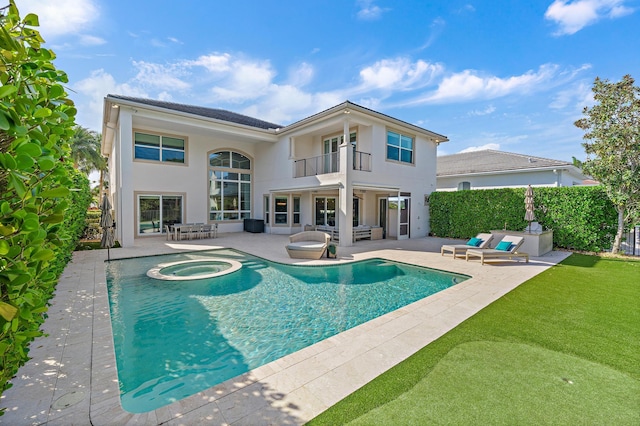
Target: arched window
(229, 186)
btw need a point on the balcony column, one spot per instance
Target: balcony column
(345, 219)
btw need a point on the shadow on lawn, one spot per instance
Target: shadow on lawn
(590, 261)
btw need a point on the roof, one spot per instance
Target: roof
(348, 107)
(218, 114)
(488, 161)
(232, 117)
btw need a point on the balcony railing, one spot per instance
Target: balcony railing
(329, 163)
(362, 161)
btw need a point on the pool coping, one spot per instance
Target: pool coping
(290, 390)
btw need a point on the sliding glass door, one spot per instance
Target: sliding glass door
(156, 211)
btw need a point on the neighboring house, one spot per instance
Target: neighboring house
(344, 167)
(497, 169)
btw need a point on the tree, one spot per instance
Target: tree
(86, 155)
(85, 150)
(612, 145)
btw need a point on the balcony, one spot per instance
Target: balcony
(329, 163)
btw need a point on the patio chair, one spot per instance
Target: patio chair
(183, 232)
(170, 234)
(308, 244)
(507, 248)
(479, 241)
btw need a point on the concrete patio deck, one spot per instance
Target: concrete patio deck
(72, 378)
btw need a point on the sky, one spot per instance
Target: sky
(488, 74)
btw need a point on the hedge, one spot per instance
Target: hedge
(44, 199)
(581, 217)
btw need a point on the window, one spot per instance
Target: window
(464, 186)
(325, 211)
(296, 210)
(399, 147)
(281, 210)
(229, 186)
(266, 210)
(158, 148)
(157, 211)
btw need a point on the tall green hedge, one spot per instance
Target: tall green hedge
(581, 217)
(44, 199)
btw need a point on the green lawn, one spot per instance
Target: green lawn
(562, 348)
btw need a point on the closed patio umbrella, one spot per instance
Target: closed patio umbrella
(106, 223)
(529, 215)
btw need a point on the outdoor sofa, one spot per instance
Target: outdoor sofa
(507, 248)
(479, 241)
(308, 244)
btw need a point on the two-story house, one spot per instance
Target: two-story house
(345, 167)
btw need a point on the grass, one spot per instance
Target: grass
(562, 348)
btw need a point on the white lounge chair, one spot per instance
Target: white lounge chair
(461, 249)
(308, 244)
(507, 248)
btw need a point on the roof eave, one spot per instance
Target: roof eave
(348, 107)
(493, 172)
(133, 104)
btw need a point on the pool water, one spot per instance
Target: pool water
(176, 338)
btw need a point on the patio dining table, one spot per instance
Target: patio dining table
(178, 231)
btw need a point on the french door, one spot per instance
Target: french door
(331, 154)
(325, 211)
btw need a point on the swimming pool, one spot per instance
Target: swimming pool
(175, 338)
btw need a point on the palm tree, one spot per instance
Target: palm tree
(85, 150)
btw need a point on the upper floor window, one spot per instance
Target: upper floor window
(158, 148)
(229, 186)
(399, 147)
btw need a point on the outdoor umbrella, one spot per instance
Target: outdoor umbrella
(106, 223)
(529, 216)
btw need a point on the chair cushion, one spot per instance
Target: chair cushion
(504, 245)
(474, 242)
(306, 246)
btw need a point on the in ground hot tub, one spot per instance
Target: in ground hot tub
(194, 269)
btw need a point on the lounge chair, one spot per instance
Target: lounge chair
(480, 241)
(507, 248)
(308, 244)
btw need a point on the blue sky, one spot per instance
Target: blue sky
(507, 75)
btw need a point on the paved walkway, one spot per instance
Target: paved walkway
(72, 380)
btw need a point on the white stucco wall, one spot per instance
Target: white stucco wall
(273, 169)
(549, 177)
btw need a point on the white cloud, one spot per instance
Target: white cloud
(214, 62)
(369, 11)
(94, 88)
(468, 85)
(301, 75)
(572, 16)
(479, 112)
(61, 17)
(88, 40)
(160, 76)
(576, 97)
(436, 27)
(494, 146)
(398, 74)
(246, 80)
